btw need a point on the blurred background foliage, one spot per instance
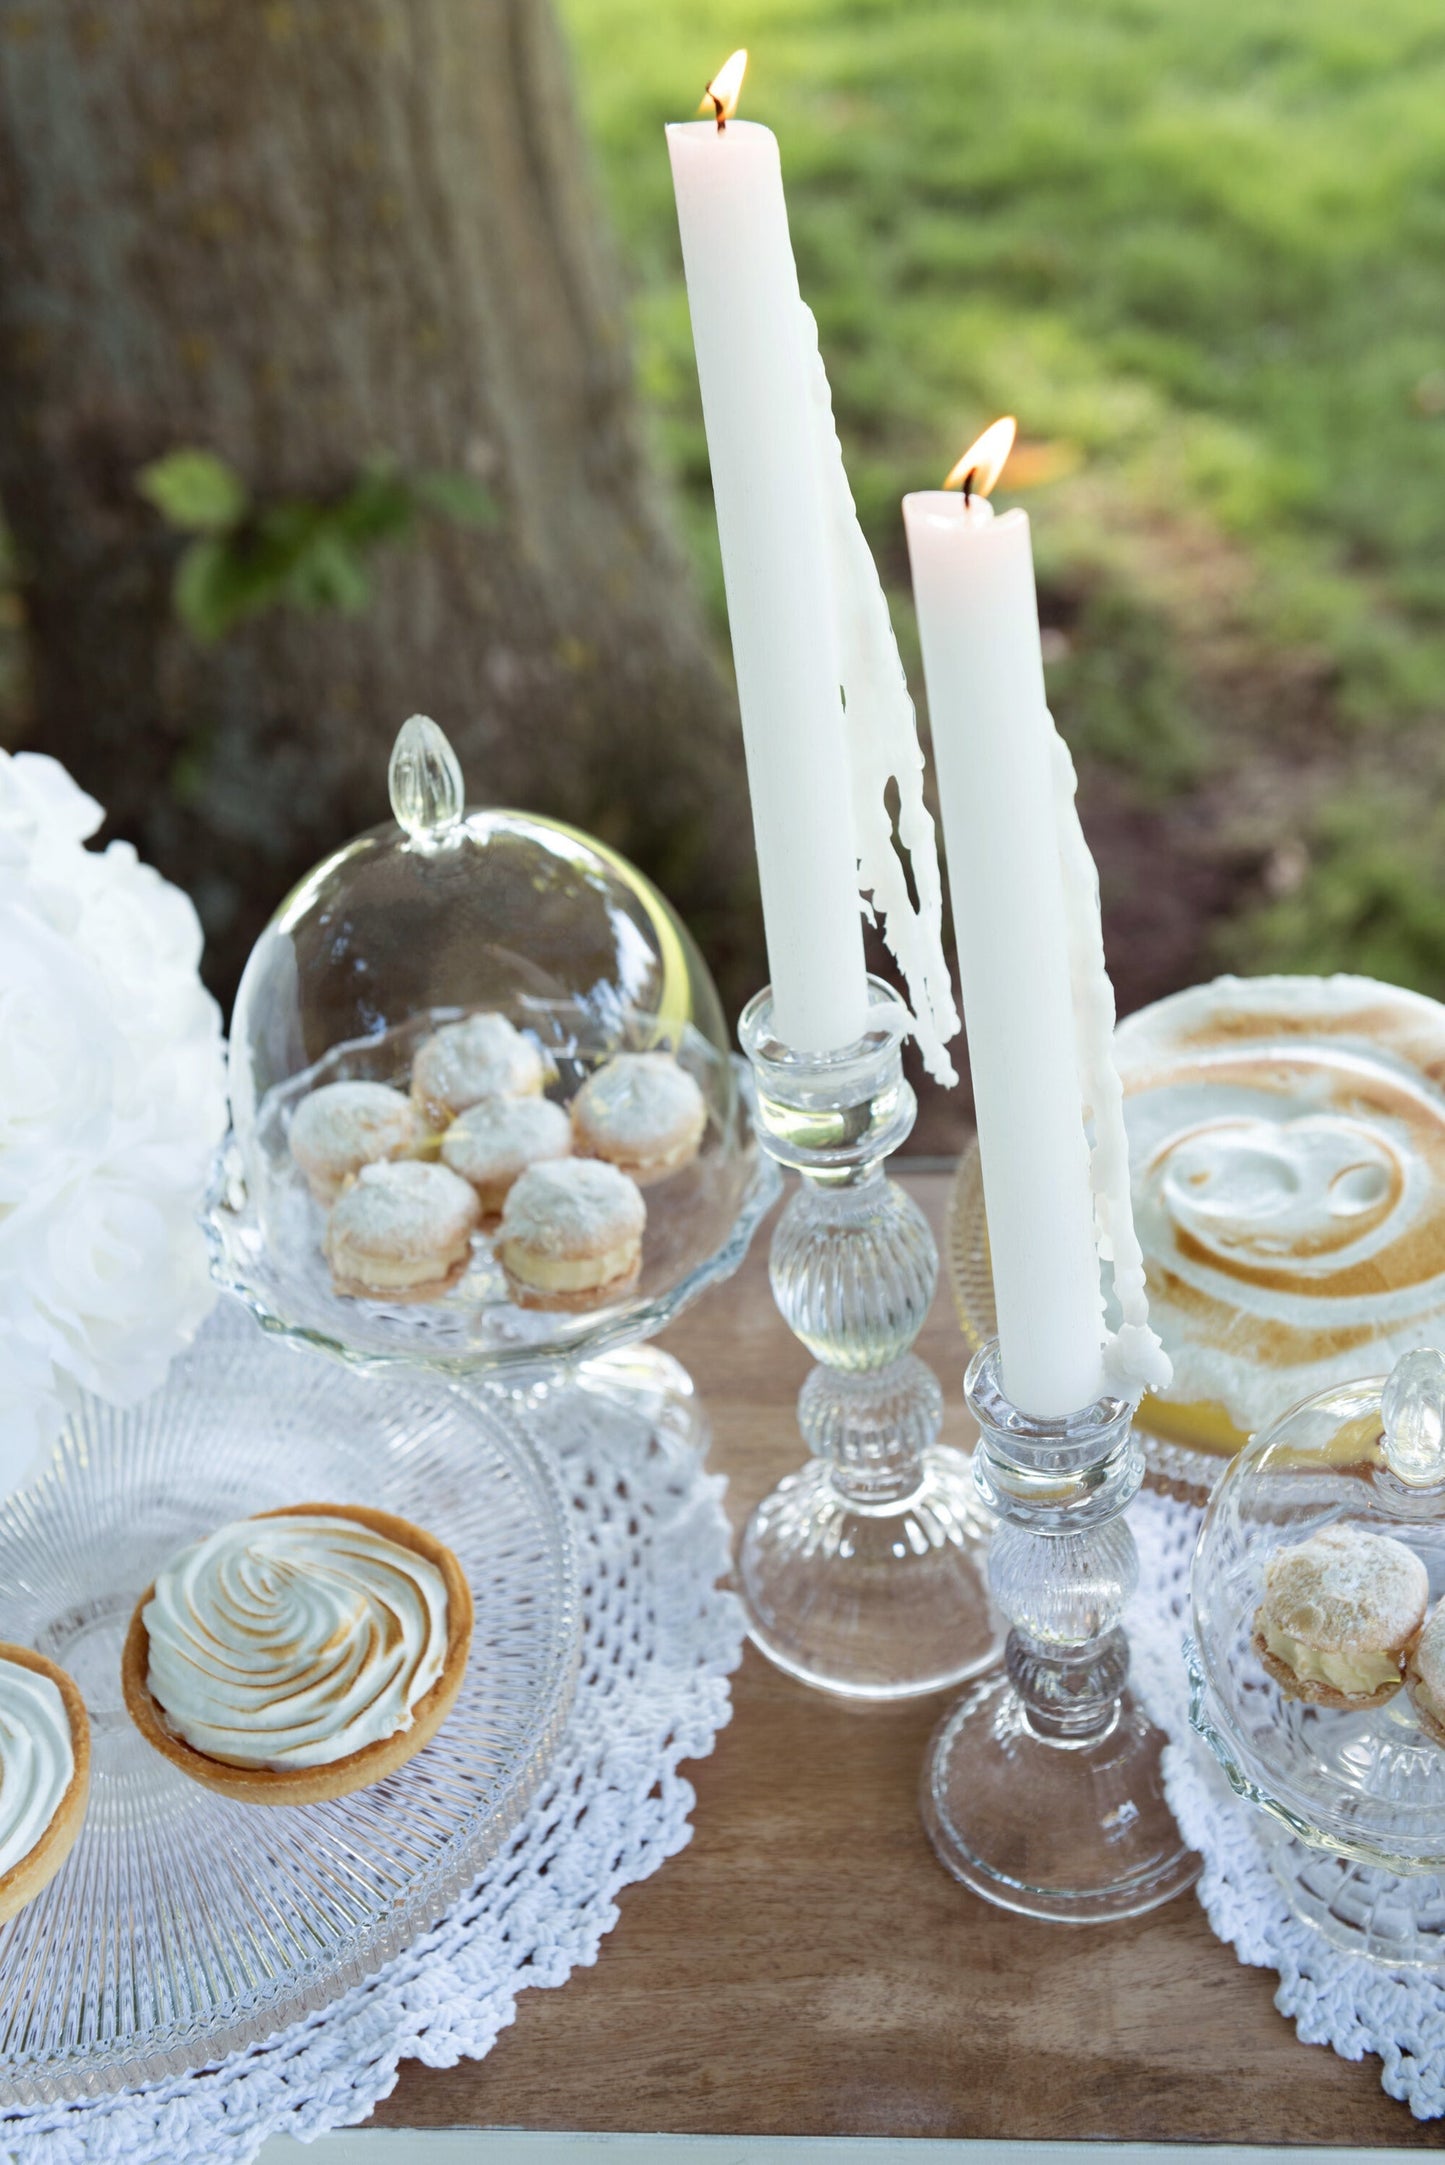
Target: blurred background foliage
(1197, 251)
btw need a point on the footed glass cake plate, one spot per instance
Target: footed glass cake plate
(185, 1926)
(266, 1228)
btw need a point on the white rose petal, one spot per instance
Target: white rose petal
(112, 1101)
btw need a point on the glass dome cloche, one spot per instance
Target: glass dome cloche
(445, 915)
(1316, 1708)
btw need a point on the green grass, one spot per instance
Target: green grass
(1197, 250)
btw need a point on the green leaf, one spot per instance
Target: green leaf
(195, 491)
(456, 496)
(328, 574)
(207, 593)
(380, 506)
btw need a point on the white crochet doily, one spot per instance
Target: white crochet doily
(1333, 1997)
(660, 1640)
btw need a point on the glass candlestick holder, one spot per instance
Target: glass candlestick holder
(863, 1573)
(1042, 1790)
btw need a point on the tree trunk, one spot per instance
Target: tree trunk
(302, 233)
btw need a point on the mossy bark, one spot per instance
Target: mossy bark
(303, 233)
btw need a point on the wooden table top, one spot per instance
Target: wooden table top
(805, 1967)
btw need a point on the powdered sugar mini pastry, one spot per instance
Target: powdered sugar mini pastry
(300, 1654)
(493, 1142)
(1287, 1161)
(44, 1773)
(345, 1125)
(571, 1235)
(642, 1113)
(1338, 1614)
(402, 1232)
(483, 1057)
(1425, 1675)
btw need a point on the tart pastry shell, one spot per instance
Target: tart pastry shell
(39, 1865)
(314, 1785)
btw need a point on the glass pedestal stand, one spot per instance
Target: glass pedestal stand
(863, 1573)
(1042, 1790)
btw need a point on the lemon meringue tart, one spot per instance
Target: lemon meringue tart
(300, 1654)
(44, 1773)
(1287, 1161)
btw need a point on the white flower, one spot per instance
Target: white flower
(112, 1101)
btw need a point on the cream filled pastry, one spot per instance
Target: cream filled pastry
(1425, 1675)
(1287, 1161)
(1338, 1614)
(402, 1232)
(301, 1653)
(493, 1142)
(642, 1113)
(345, 1125)
(571, 1234)
(44, 1773)
(483, 1057)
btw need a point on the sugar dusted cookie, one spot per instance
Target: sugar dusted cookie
(483, 1057)
(402, 1232)
(44, 1773)
(642, 1113)
(345, 1125)
(1425, 1675)
(1338, 1614)
(571, 1235)
(493, 1142)
(300, 1654)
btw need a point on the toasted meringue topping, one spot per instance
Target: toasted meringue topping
(1287, 1147)
(37, 1759)
(294, 1641)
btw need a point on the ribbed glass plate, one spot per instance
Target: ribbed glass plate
(184, 1925)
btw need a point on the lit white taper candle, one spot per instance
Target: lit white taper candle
(755, 372)
(973, 581)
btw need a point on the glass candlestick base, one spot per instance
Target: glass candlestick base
(1043, 1790)
(863, 1574)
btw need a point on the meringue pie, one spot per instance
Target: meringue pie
(44, 1773)
(299, 1654)
(1287, 1160)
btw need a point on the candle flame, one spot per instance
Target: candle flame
(721, 96)
(983, 462)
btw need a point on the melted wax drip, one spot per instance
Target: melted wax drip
(1135, 1361)
(882, 735)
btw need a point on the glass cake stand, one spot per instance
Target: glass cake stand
(1170, 1464)
(448, 912)
(185, 1926)
(1355, 1800)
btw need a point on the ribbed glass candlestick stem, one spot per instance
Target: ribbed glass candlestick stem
(1042, 1789)
(863, 1573)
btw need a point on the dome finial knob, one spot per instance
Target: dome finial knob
(425, 780)
(1413, 1407)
